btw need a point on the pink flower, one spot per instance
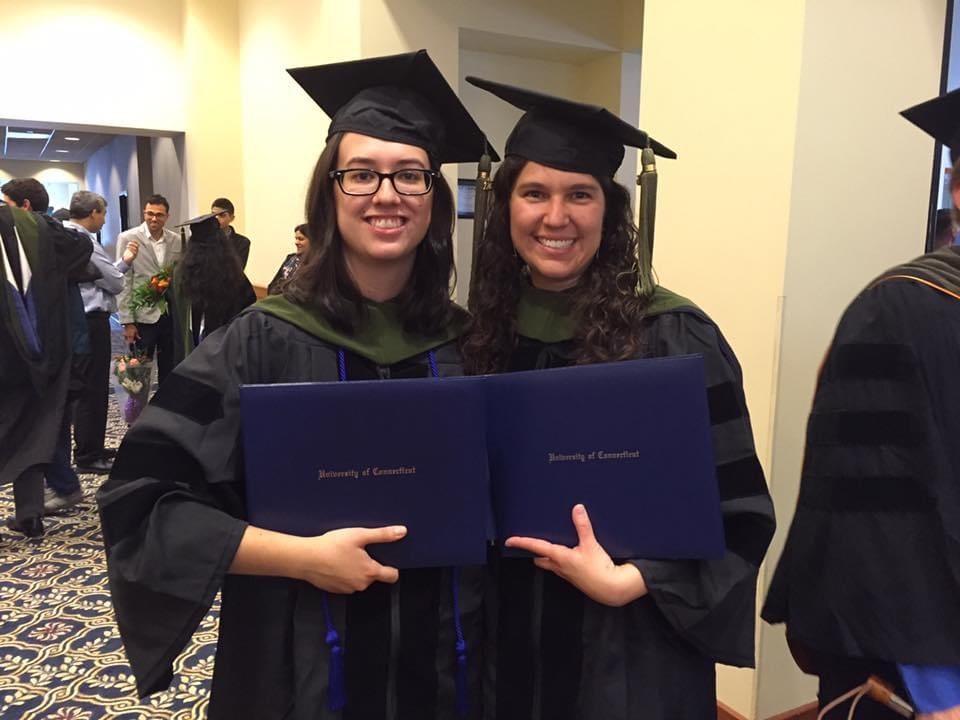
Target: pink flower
(121, 367)
(134, 362)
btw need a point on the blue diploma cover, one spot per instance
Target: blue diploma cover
(629, 440)
(322, 456)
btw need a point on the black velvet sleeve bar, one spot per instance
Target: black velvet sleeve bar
(871, 565)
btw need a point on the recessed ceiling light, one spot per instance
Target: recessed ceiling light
(54, 161)
(63, 151)
(27, 135)
(72, 139)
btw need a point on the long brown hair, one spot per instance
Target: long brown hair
(324, 282)
(609, 300)
(211, 277)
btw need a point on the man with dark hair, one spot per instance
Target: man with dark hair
(38, 259)
(88, 213)
(160, 249)
(225, 213)
(26, 193)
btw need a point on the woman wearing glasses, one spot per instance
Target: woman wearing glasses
(310, 627)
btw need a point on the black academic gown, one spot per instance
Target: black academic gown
(173, 514)
(871, 565)
(33, 386)
(557, 655)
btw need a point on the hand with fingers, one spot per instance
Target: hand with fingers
(338, 562)
(130, 252)
(586, 566)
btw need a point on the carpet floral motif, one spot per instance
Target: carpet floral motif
(60, 653)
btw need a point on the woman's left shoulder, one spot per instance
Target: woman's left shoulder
(676, 325)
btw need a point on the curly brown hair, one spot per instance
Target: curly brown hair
(609, 301)
(211, 277)
(323, 281)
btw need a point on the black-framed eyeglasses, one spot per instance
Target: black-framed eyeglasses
(408, 181)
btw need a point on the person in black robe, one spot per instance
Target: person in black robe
(41, 262)
(310, 627)
(209, 287)
(868, 580)
(562, 278)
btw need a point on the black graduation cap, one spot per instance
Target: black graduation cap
(398, 98)
(568, 135)
(203, 228)
(939, 117)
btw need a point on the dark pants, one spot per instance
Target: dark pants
(838, 675)
(157, 341)
(90, 414)
(28, 494)
(60, 476)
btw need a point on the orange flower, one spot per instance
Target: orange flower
(163, 284)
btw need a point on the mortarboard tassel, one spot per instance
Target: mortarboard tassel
(463, 701)
(336, 678)
(647, 180)
(480, 193)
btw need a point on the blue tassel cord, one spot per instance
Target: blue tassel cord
(463, 699)
(336, 678)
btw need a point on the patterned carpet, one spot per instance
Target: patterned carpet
(60, 653)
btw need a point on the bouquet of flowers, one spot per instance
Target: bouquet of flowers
(151, 293)
(133, 373)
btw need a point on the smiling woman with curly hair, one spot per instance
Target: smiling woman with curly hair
(561, 279)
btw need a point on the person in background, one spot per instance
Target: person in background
(301, 241)
(40, 263)
(869, 579)
(88, 213)
(160, 249)
(225, 213)
(209, 284)
(562, 278)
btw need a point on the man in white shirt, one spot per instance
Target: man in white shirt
(160, 249)
(88, 212)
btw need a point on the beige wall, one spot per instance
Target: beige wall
(719, 86)
(283, 130)
(211, 94)
(127, 53)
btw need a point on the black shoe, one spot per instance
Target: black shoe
(30, 527)
(96, 467)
